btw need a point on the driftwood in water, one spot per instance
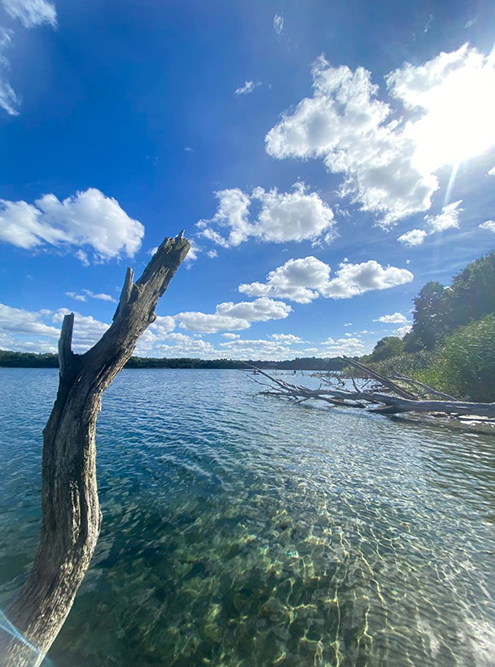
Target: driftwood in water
(70, 508)
(387, 399)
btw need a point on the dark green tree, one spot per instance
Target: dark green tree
(430, 317)
(390, 346)
(472, 293)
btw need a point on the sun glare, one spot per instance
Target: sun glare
(459, 122)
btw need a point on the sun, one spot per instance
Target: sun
(459, 116)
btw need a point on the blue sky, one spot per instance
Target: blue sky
(306, 148)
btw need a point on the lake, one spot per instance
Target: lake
(243, 530)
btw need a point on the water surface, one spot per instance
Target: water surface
(241, 530)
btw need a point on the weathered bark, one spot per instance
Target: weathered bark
(388, 404)
(70, 508)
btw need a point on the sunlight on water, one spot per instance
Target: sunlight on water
(240, 530)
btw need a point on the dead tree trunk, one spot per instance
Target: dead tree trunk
(71, 514)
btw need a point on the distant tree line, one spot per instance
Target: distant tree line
(30, 360)
(452, 340)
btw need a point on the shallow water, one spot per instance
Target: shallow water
(241, 530)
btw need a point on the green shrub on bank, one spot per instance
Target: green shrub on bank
(406, 364)
(465, 365)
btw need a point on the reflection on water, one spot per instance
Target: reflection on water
(240, 530)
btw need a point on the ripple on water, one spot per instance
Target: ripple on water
(244, 531)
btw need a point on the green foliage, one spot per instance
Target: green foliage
(440, 310)
(465, 365)
(429, 317)
(28, 360)
(451, 346)
(390, 346)
(408, 364)
(472, 293)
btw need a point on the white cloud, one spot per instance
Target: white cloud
(413, 238)
(212, 254)
(82, 257)
(32, 12)
(86, 219)
(77, 297)
(19, 321)
(259, 348)
(350, 346)
(353, 279)
(389, 165)
(297, 280)
(402, 331)
(491, 172)
(163, 325)
(231, 336)
(449, 217)
(193, 253)
(283, 216)
(306, 279)
(87, 330)
(39, 330)
(260, 310)
(210, 323)
(86, 293)
(396, 318)
(428, 24)
(8, 99)
(287, 339)
(234, 317)
(470, 23)
(488, 225)
(278, 23)
(247, 88)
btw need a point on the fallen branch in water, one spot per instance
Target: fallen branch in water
(389, 399)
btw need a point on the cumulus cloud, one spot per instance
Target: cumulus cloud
(350, 346)
(210, 323)
(88, 294)
(402, 331)
(283, 216)
(86, 219)
(32, 13)
(234, 317)
(20, 321)
(231, 336)
(353, 279)
(278, 23)
(489, 225)
(297, 279)
(247, 88)
(39, 330)
(396, 318)
(288, 339)
(87, 329)
(388, 166)
(306, 279)
(448, 218)
(412, 238)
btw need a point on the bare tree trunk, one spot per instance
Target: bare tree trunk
(70, 507)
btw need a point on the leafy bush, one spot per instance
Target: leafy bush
(465, 365)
